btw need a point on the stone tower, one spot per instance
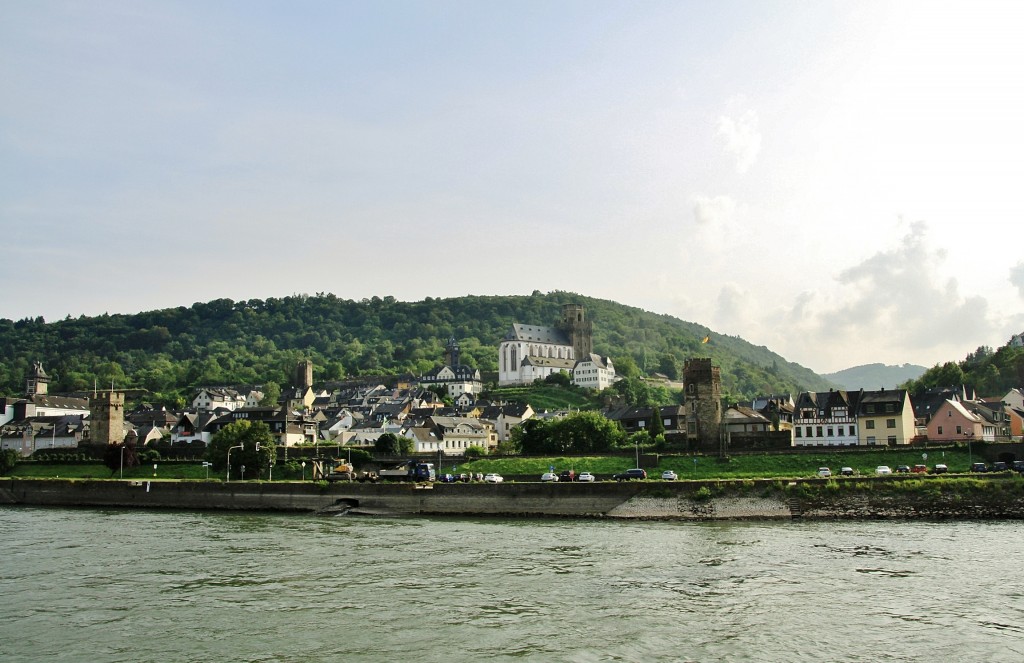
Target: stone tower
(580, 330)
(106, 417)
(703, 389)
(37, 381)
(304, 375)
(451, 353)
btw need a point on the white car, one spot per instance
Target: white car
(669, 475)
(586, 476)
(824, 472)
(882, 469)
(493, 478)
(549, 476)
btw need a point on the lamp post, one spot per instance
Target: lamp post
(303, 470)
(243, 473)
(970, 455)
(154, 469)
(228, 476)
(122, 460)
(636, 443)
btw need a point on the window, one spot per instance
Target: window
(870, 424)
(819, 431)
(892, 440)
(890, 423)
(809, 433)
(840, 431)
(940, 430)
(871, 409)
(830, 431)
(853, 430)
(871, 440)
(959, 430)
(798, 432)
(890, 407)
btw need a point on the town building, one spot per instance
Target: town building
(826, 419)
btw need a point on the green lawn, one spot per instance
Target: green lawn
(706, 467)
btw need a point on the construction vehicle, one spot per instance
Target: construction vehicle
(334, 470)
(410, 470)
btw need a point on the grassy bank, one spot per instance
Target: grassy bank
(762, 466)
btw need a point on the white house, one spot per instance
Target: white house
(594, 372)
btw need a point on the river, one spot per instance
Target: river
(135, 585)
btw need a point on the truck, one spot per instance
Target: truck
(410, 470)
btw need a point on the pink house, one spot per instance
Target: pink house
(952, 421)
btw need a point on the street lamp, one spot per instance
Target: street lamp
(636, 443)
(122, 460)
(154, 469)
(228, 476)
(303, 470)
(970, 456)
(243, 473)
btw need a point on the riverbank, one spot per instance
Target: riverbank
(927, 498)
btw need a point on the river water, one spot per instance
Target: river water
(122, 585)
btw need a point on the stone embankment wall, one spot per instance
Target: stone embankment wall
(749, 500)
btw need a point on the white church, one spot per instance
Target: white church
(530, 352)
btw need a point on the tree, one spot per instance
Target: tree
(247, 435)
(271, 394)
(560, 378)
(388, 445)
(657, 427)
(121, 455)
(474, 452)
(8, 459)
(668, 366)
(626, 366)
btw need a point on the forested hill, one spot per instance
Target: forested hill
(171, 351)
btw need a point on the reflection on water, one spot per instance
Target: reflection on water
(107, 585)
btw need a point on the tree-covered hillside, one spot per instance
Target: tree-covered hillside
(990, 373)
(171, 351)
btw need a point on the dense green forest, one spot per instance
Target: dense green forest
(989, 372)
(170, 352)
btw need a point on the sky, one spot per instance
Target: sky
(837, 181)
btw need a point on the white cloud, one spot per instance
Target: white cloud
(742, 138)
(718, 211)
(1017, 277)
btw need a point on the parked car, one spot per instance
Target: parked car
(824, 472)
(493, 478)
(999, 467)
(919, 469)
(846, 471)
(446, 478)
(549, 476)
(940, 468)
(669, 475)
(587, 477)
(629, 475)
(882, 469)
(1018, 466)
(479, 476)
(902, 469)
(464, 478)
(979, 467)
(567, 475)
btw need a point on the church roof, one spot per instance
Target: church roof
(535, 334)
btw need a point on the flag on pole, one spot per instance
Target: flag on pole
(706, 339)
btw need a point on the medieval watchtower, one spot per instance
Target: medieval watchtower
(579, 330)
(703, 390)
(304, 375)
(106, 417)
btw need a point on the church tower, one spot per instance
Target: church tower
(580, 330)
(451, 353)
(106, 417)
(703, 392)
(37, 381)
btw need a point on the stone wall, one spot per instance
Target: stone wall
(680, 501)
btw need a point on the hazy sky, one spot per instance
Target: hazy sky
(840, 182)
